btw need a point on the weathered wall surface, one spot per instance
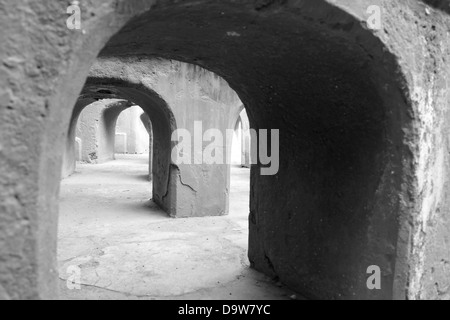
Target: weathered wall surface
(423, 54)
(365, 184)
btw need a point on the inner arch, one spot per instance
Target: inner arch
(312, 71)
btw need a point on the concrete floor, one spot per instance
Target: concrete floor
(127, 248)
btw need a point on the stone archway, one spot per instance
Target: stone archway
(348, 194)
(317, 224)
(165, 183)
(96, 133)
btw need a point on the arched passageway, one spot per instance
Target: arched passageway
(314, 224)
(102, 137)
(164, 184)
(105, 217)
(200, 101)
(93, 123)
(318, 223)
(92, 132)
(360, 146)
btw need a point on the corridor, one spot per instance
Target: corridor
(127, 248)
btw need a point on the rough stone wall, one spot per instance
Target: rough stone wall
(317, 224)
(422, 50)
(425, 55)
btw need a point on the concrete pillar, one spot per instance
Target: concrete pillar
(121, 144)
(246, 140)
(94, 129)
(71, 154)
(148, 126)
(78, 149)
(130, 123)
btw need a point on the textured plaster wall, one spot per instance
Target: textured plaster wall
(427, 59)
(423, 51)
(367, 180)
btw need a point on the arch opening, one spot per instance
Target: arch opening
(234, 254)
(334, 203)
(164, 124)
(331, 87)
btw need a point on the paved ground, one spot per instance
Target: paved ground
(127, 248)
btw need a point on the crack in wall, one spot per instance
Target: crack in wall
(186, 185)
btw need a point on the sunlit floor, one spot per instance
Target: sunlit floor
(127, 248)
